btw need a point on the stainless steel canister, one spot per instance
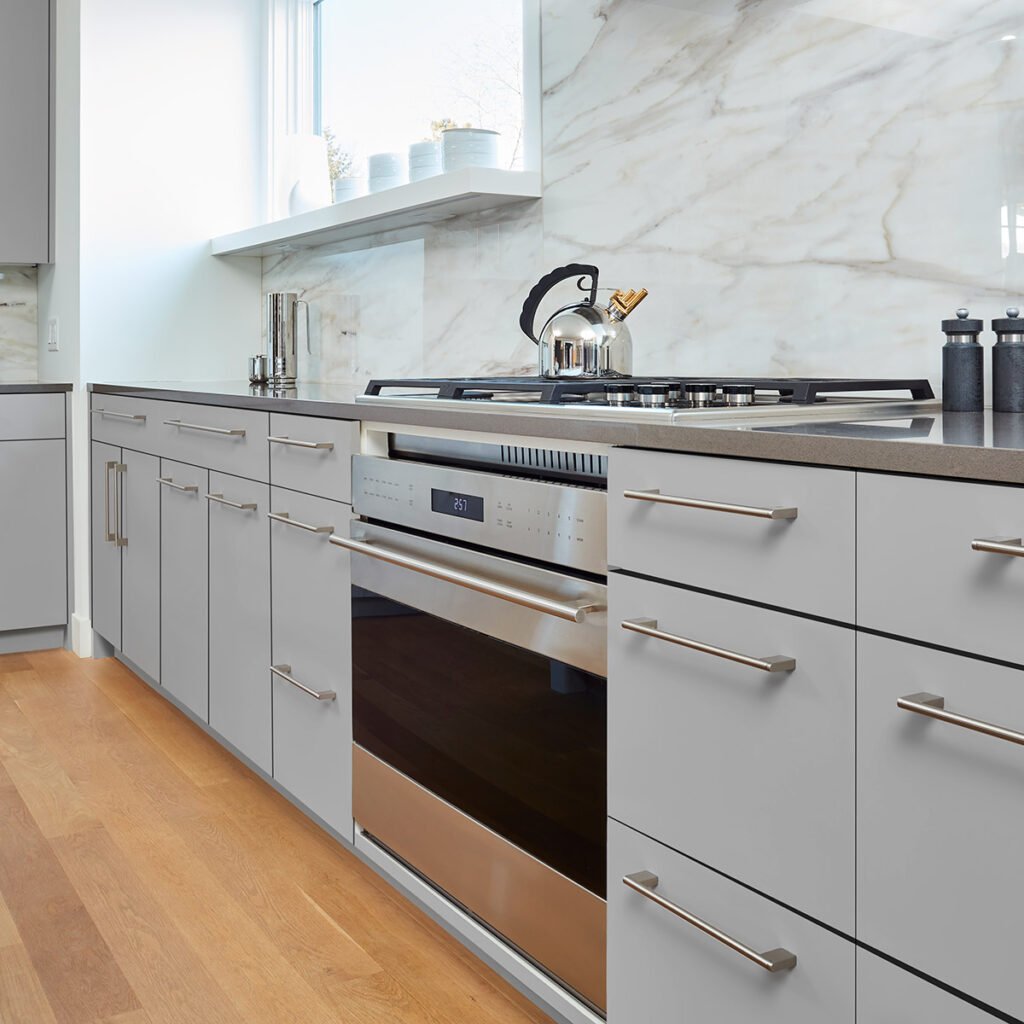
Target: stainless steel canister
(283, 335)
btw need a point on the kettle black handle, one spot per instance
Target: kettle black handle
(546, 283)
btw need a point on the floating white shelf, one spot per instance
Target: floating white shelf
(420, 202)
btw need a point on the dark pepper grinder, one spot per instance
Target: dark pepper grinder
(963, 365)
(1008, 363)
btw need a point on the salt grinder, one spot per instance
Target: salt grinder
(1008, 363)
(963, 364)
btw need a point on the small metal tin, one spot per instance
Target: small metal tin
(259, 369)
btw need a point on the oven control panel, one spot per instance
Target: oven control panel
(554, 522)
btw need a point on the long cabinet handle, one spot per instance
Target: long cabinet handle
(107, 534)
(110, 414)
(227, 431)
(502, 591)
(325, 446)
(1010, 546)
(657, 497)
(245, 506)
(120, 540)
(283, 517)
(169, 482)
(644, 882)
(285, 672)
(932, 706)
(771, 663)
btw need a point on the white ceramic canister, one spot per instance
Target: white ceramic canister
(424, 160)
(469, 147)
(386, 171)
(348, 188)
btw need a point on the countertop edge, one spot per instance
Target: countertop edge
(35, 388)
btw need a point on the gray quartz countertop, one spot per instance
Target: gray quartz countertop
(916, 438)
(32, 387)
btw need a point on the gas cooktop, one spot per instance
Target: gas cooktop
(644, 397)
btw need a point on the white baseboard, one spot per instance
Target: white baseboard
(536, 985)
(81, 636)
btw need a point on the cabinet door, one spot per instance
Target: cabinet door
(240, 615)
(33, 534)
(312, 646)
(140, 562)
(663, 969)
(887, 994)
(184, 581)
(25, 130)
(106, 552)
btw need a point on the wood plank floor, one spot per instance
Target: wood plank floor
(146, 877)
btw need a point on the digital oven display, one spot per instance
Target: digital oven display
(451, 503)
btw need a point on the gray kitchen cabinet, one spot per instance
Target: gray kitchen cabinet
(240, 701)
(33, 534)
(223, 439)
(140, 561)
(779, 534)
(887, 994)
(663, 968)
(313, 454)
(25, 169)
(106, 549)
(184, 583)
(745, 769)
(312, 655)
(920, 574)
(32, 416)
(940, 835)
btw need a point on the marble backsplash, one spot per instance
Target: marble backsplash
(806, 187)
(18, 349)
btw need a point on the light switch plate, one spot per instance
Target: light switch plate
(52, 335)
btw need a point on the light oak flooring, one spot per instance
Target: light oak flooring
(146, 877)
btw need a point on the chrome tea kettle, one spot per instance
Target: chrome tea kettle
(582, 339)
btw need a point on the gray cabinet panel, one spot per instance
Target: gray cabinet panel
(23, 417)
(663, 969)
(33, 534)
(917, 573)
(323, 471)
(140, 562)
(106, 554)
(805, 563)
(311, 613)
(200, 435)
(887, 994)
(940, 835)
(746, 770)
(184, 583)
(240, 617)
(125, 422)
(25, 130)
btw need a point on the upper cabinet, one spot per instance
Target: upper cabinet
(25, 165)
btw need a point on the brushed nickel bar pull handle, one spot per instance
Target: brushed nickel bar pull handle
(772, 960)
(324, 446)
(492, 588)
(169, 482)
(1010, 546)
(657, 497)
(107, 535)
(649, 627)
(284, 672)
(227, 431)
(932, 706)
(120, 539)
(110, 414)
(245, 506)
(283, 517)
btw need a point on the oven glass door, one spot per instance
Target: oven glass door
(495, 708)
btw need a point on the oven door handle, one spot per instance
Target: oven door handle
(502, 591)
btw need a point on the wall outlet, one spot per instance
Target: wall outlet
(52, 335)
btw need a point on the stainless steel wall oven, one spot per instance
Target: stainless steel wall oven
(479, 685)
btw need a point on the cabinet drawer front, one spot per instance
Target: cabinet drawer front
(664, 968)
(29, 417)
(126, 422)
(240, 616)
(805, 563)
(313, 454)
(311, 601)
(940, 835)
(226, 440)
(751, 771)
(184, 581)
(918, 575)
(887, 994)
